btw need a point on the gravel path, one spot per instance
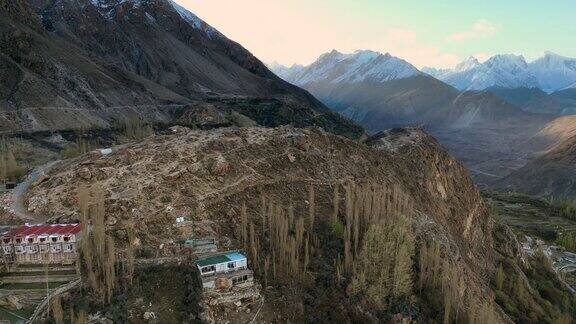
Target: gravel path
(17, 197)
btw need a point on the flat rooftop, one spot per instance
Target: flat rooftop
(220, 258)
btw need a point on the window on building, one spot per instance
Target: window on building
(208, 269)
(18, 240)
(68, 247)
(66, 238)
(6, 241)
(32, 248)
(54, 239)
(43, 248)
(19, 249)
(56, 248)
(239, 280)
(7, 249)
(231, 265)
(30, 240)
(42, 239)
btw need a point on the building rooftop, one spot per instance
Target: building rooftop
(38, 230)
(235, 256)
(220, 258)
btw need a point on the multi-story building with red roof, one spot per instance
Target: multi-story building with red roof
(40, 244)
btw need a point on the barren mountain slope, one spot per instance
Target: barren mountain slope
(551, 174)
(68, 64)
(213, 167)
(531, 99)
(208, 175)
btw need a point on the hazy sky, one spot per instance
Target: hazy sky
(425, 32)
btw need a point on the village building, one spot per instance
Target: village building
(201, 246)
(41, 244)
(224, 271)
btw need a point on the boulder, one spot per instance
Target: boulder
(149, 316)
(85, 174)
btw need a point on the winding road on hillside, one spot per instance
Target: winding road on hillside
(17, 200)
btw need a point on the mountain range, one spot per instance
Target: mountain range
(483, 112)
(90, 63)
(542, 86)
(549, 73)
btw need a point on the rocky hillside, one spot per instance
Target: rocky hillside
(538, 101)
(207, 176)
(549, 175)
(91, 63)
(549, 172)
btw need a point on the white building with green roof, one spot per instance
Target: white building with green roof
(224, 271)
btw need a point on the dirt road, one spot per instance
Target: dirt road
(17, 205)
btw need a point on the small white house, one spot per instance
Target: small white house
(224, 271)
(222, 263)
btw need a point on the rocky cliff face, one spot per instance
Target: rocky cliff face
(92, 63)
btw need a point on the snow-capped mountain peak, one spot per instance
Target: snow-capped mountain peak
(554, 71)
(283, 71)
(469, 63)
(551, 72)
(504, 70)
(362, 65)
(507, 62)
(435, 72)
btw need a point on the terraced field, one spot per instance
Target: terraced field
(528, 215)
(26, 285)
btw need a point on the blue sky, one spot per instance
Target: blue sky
(432, 32)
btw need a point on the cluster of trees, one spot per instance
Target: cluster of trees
(378, 263)
(379, 244)
(531, 291)
(131, 128)
(97, 248)
(284, 252)
(103, 268)
(82, 146)
(135, 128)
(441, 279)
(370, 224)
(568, 241)
(565, 208)
(383, 268)
(10, 170)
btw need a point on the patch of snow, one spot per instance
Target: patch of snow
(194, 21)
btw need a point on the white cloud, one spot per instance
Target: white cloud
(480, 29)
